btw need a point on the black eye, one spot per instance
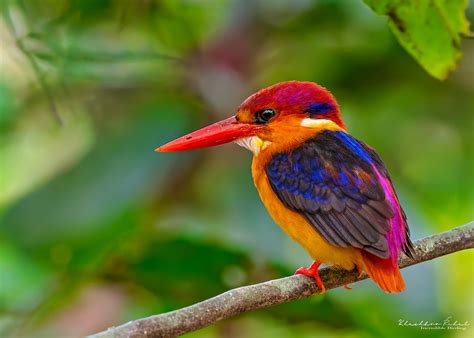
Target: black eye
(264, 115)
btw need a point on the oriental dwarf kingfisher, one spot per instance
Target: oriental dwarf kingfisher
(327, 190)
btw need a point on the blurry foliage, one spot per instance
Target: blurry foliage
(97, 229)
(430, 30)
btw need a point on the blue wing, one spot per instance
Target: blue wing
(331, 180)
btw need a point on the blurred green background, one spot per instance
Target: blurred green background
(97, 229)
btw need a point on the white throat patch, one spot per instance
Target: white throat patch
(254, 143)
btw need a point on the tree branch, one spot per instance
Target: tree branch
(277, 291)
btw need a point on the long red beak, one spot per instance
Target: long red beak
(218, 133)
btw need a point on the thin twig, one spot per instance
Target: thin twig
(252, 297)
(34, 65)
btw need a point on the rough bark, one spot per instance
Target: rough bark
(252, 297)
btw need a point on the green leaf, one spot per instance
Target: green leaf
(430, 30)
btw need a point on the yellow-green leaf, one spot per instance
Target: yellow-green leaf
(430, 30)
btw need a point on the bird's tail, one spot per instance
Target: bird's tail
(384, 272)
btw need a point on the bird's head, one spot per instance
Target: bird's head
(284, 114)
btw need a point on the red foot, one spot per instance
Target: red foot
(312, 272)
(347, 287)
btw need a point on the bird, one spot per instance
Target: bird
(327, 190)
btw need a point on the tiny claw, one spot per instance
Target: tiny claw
(312, 272)
(347, 287)
(302, 271)
(361, 272)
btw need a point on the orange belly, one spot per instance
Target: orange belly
(298, 228)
